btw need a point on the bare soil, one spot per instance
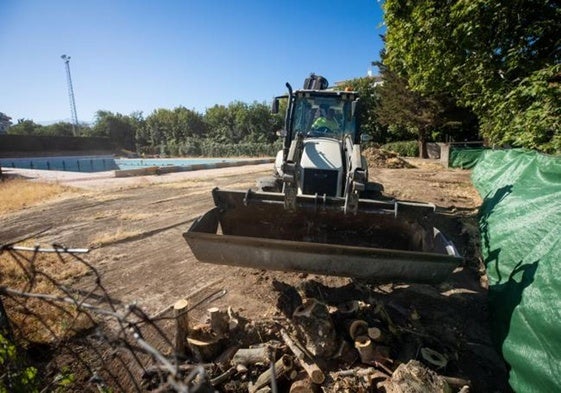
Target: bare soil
(134, 229)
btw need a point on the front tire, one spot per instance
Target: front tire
(269, 184)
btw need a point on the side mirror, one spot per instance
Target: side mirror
(275, 106)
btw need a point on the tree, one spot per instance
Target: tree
(241, 122)
(435, 117)
(220, 122)
(407, 109)
(481, 53)
(24, 127)
(255, 122)
(530, 114)
(368, 90)
(5, 122)
(120, 129)
(60, 128)
(165, 127)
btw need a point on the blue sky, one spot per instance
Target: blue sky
(142, 55)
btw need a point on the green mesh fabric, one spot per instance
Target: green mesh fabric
(520, 222)
(465, 158)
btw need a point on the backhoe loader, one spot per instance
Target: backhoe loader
(318, 213)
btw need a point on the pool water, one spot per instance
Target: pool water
(131, 163)
(101, 163)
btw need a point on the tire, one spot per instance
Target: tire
(269, 184)
(373, 190)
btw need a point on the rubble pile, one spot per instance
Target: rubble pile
(379, 158)
(324, 339)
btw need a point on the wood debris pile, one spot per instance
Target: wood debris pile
(379, 158)
(316, 344)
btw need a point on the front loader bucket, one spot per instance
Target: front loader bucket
(384, 241)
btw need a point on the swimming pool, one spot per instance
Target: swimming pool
(131, 163)
(102, 163)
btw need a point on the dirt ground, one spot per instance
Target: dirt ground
(134, 229)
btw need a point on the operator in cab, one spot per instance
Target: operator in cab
(326, 121)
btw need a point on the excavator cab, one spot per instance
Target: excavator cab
(306, 107)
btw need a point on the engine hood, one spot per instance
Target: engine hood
(321, 153)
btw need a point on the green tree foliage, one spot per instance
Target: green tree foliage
(237, 129)
(530, 114)
(220, 122)
(405, 110)
(119, 128)
(239, 122)
(408, 113)
(60, 128)
(24, 127)
(493, 57)
(368, 90)
(170, 127)
(15, 375)
(403, 148)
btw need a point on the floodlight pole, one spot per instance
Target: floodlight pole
(66, 60)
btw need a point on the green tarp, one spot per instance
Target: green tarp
(465, 158)
(520, 222)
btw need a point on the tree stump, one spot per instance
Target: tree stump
(206, 350)
(180, 309)
(218, 321)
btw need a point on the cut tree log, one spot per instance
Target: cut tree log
(312, 369)
(282, 369)
(312, 319)
(371, 353)
(414, 377)
(376, 334)
(180, 309)
(348, 309)
(303, 384)
(225, 376)
(250, 356)
(358, 327)
(224, 359)
(456, 382)
(365, 349)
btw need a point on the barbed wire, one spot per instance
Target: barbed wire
(63, 330)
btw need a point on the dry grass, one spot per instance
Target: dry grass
(115, 236)
(41, 273)
(106, 197)
(423, 163)
(17, 194)
(37, 320)
(118, 214)
(103, 214)
(136, 216)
